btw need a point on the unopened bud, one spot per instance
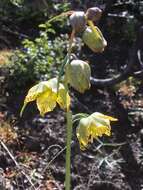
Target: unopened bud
(94, 39)
(78, 21)
(78, 75)
(94, 14)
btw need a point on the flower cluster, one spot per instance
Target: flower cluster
(92, 36)
(77, 73)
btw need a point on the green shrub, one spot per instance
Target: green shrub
(38, 59)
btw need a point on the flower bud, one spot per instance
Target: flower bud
(94, 39)
(94, 14)
(78, 75)
(78, 21)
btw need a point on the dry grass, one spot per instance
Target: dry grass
(7, 133)
(4, 56)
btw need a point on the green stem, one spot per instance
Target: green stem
(61, 72)
(60, 16)
(68, 150)
(68, 142)
(69, 125)
(66, 60)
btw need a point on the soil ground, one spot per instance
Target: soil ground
(38, 145)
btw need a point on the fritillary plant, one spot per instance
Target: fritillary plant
(75, 73)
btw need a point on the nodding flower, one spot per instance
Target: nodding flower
(47, 94)
(78, 75)
(93, 38)
(93, 126)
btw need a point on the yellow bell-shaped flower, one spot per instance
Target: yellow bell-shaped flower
(93, 126)
(78, 75)
(46, 95)
(94, 39)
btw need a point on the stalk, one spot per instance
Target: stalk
(68, 150)
(68, 143)
(65, 14)
(69, 127)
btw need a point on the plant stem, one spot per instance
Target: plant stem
(69, 125)
(68, 142)
(68, 150)
(64, 14)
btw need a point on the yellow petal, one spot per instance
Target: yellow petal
(35, 91)
(40, 88)
(82, 133)
(102, 116)
(98, 126)
(63, 99)
(99, 131)
(46, 102)
(52, 83)
(108, 117)
(97, 121)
